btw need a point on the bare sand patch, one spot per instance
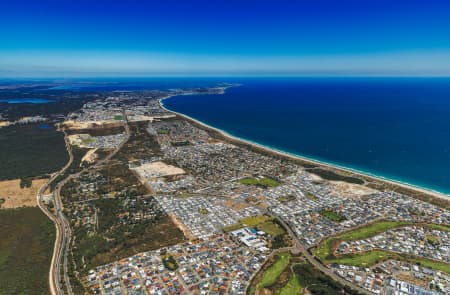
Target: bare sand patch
(80, 139)
(351, 190)
(15, 196)
(4, 123)
(187, 233)
(315, 177)
(157, 169)
(74, 125)
(90, 156)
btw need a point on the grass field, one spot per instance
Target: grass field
(323, 250)
(442, 227)
(371, 230)
(376, 256)
(292, 287)
(255, 220)
(333, 216)
(118, 117)
(290, 275)
(271, 228)
(232, 227)
(26, 245)
(263, 182)
(271, 275)
(163, 131)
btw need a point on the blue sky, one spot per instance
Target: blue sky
(188, 38)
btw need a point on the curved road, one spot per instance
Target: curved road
(312, 260)
(63, 230)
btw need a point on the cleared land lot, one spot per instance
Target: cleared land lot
(157, 169)
(26, 245)
(15, 197)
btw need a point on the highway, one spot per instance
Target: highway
(63, 231)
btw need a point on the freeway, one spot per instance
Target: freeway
(54, 280)
(63, 230)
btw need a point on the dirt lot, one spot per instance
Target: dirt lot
(15, 196)
(351, 190)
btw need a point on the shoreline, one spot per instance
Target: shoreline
(330, 166)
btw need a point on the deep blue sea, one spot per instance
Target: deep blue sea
(26, 100)
(398, 128)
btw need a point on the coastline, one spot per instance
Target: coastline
(366, 176)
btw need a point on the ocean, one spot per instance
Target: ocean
(396, 128)
(26, 100)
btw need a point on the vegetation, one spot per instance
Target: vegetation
(140, 145)
(415, 211)
(433, 240)
(325, 249)
(271, 275)
(29, 151)
(78, 154)
(266, 224)
(262, 182)
(25, 182)
(64, 102)
(369, 258)
(290, 274)
(117, 234)
(26, 246)
(118, 117)
(285, 199)
(293, 287)
(88, 141)
(333, 216)
(331, 175)
(98, 131)
(163, 131)
(317, 282)
(203, 211)
(113, 241)
(253, 221)
(271, 228)
(2, 201)
(442, 227)
(232, 227)
(169, 262)
(180, 143)
(372, 230)
(310, 196)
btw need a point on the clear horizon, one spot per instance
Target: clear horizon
(66, 38)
